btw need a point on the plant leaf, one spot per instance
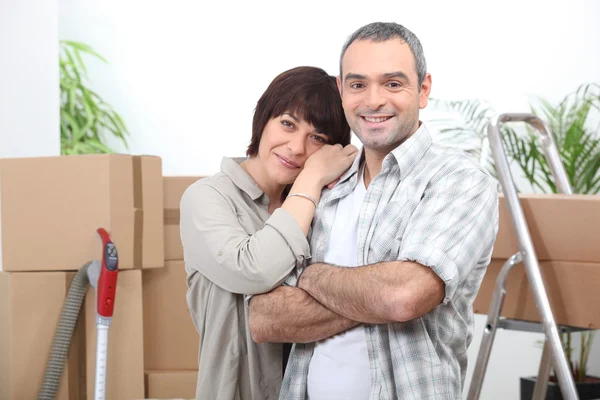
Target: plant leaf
(85, 117)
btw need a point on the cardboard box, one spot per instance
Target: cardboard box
(562, 227)
(170, 339)
(173, 188)
(171, 384)
(572, 289)
(51, 207)
(30, 307)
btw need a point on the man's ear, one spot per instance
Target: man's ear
(425, 91)
(339, 84)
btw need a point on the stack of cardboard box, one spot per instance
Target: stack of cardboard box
(170, 338)
(50, 210)
(51, 207)
(564, 230)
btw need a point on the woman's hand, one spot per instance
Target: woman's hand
(328, 163)
(322, 168)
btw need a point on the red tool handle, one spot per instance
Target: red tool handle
(107, 283)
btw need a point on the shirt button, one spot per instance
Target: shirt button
(220, 253)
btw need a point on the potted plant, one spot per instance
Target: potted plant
(588, 387)
(85, 118)
(569, 122)
(577, 140)
(462, 124)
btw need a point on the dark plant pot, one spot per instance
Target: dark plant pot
(586, 390)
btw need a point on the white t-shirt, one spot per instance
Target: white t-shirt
(339, 368)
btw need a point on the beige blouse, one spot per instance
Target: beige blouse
(233, 247)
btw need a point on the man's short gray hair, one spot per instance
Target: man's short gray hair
(382, 31)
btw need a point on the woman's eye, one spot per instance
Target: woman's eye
(287, 124)
(319, 139)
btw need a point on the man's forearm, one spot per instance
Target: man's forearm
(376, 294)
(289, 314)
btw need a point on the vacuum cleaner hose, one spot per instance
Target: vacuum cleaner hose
(64, 333)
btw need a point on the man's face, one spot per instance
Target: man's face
(381, 93)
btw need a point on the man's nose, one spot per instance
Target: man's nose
(375, 99)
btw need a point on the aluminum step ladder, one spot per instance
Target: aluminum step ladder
(553, 354)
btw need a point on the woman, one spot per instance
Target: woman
(244, 229)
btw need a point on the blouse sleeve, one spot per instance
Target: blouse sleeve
(216, 245)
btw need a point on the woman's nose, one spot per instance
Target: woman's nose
(297, 145)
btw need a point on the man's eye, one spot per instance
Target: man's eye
(356, 85)
(394, 85)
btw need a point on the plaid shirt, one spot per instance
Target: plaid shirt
(435, 206)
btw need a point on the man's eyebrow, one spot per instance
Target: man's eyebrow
(389, 75)
(292, 116)
(351, 75)
(397, 74)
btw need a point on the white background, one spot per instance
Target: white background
(185, 75)
(29, 90)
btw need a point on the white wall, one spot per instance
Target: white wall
(29, 90)
(186, 79)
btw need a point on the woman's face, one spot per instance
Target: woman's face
(286, 143)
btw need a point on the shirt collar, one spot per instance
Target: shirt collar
(231, 167)
(406, 155)
(409, 152)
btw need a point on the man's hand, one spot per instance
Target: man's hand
(289, 314)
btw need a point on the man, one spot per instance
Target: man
(418, 223)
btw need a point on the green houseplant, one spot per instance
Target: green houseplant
(578, 141)
(571, 122)
(85, 118)
(463, 125)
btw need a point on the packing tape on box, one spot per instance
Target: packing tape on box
(138, 205)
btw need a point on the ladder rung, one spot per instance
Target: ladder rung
(529, 326)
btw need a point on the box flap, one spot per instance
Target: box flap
(572, 289)
(149, 188)
(51, 208)
(122, 209)
(174, 187)
(561, 227)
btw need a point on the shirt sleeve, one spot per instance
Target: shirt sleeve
(216, 245)
(453, 225)
(290, 280)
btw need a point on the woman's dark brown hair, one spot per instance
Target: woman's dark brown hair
(309, 93)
